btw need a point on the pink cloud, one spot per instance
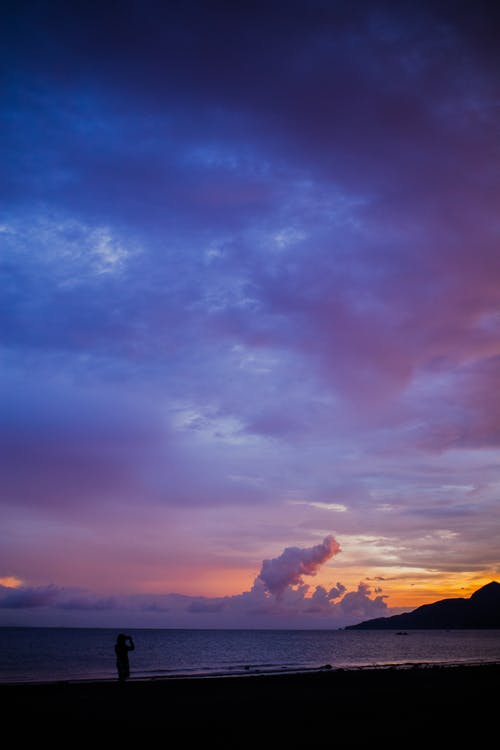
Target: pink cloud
(287, 570)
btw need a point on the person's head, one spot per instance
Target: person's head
(121, 638)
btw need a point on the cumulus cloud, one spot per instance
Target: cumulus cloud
(278, 598)
(293, 563)
(357, 605)
(297, 606)
(336, 591)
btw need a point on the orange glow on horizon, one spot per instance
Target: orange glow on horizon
(11, 582)
(400, 590)
(414, 592)
(212, 582)
(403, 588)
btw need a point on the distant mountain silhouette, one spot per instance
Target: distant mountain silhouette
(481, 610)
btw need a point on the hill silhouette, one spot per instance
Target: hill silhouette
(480, 610)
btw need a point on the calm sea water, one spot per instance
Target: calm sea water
(48, 654)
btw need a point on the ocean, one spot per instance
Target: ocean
(67, 654)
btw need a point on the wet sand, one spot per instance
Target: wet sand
(382, 707)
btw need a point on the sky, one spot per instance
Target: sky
(250, 310)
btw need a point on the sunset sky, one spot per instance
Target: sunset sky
(250, 310)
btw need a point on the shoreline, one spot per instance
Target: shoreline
(422, 701)
(249, 672)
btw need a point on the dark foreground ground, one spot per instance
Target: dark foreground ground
(377, 708)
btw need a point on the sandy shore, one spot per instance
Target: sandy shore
(387, 707)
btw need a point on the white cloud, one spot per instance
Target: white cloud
(68, 250)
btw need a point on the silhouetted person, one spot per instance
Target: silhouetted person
(123, 645)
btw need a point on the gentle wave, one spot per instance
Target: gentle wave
(52, 654)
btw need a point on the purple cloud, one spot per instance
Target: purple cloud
(28, 597)
(293, 563)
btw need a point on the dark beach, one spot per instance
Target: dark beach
(390, 707)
